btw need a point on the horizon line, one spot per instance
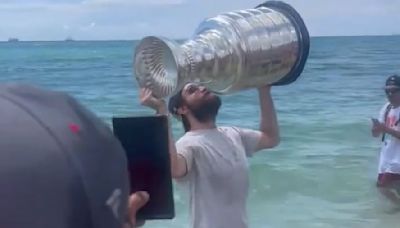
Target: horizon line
(104, 40)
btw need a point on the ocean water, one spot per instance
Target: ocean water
(323, 172)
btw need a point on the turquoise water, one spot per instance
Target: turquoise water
(322, 174)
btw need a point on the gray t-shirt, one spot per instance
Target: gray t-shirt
(217, 180)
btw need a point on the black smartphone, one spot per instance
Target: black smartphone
(145, 140)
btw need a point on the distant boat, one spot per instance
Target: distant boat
(13, 39)
(68, 39)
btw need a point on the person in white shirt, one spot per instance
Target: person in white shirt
(210, 161)
(387, 126)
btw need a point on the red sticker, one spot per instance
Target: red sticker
(74, 128)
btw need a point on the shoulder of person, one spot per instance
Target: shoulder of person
(187, 140)
(184, 139)
(384, 107)
(231, 129)
(228, 128)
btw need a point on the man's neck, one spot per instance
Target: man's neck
(202, 126)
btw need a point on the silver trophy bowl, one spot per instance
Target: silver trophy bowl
(267, 45)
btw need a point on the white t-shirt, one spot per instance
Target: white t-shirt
(217, 180)
(389, 161)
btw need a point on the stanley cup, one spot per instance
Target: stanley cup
(267, 45)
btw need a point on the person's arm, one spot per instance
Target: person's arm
(379, 128)
(179, 166)
(375, 131)
(268, 121)
(391, 131)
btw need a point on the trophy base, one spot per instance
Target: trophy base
(302, 36)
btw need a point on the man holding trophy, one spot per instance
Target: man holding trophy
(211, 161)
(255, 48)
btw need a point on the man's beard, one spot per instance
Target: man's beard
(206, 110)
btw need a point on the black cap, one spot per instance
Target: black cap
(393, 80)
(60, 165)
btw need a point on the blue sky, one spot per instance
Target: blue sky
(133, 19)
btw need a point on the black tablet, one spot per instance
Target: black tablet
(145, 140)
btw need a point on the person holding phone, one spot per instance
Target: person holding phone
(210, 161)
(60, 165)
(388, 128)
